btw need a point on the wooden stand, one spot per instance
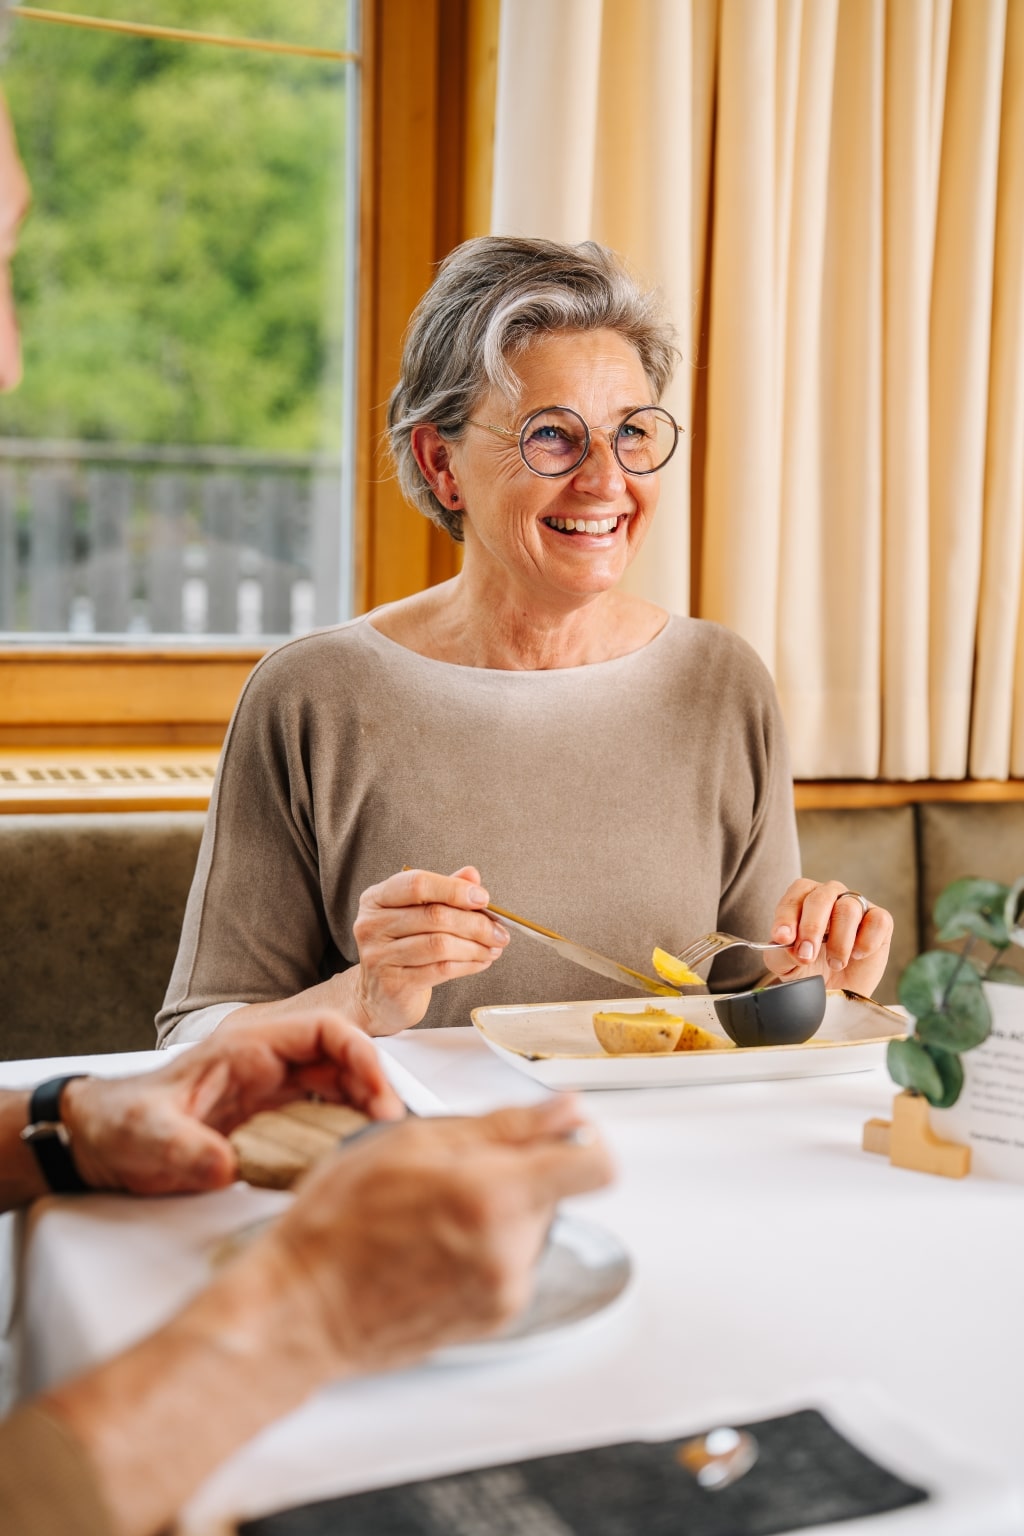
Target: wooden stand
(908, 1140)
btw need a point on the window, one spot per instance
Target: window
(423, 184)
(178, 460)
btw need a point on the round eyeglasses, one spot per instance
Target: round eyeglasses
(556, 440)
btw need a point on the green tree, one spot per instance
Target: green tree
(180, 273)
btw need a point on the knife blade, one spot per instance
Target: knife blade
(580, 955)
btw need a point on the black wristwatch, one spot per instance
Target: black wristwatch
(48, 1137)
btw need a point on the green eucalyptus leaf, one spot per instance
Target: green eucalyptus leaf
(1013, 913)
(951, 1071)
(975, 907)
(926, 980)
(955, 1029)
(911, 1066)
(1006, 975)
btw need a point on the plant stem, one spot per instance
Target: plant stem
(997, 956)
(961, 958)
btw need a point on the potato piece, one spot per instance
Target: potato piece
(626, 1034)
(674, 971)
(693, 1038)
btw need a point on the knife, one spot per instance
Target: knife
(588, 958)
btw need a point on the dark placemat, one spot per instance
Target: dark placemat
(806, 1474)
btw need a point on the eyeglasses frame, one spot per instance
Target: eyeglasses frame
(611, 432)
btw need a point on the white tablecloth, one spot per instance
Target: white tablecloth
(776, 1266)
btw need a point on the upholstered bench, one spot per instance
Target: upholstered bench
(91, 907)
(91, 904)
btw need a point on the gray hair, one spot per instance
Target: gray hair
(490, 298)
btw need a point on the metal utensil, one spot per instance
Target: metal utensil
(720, 1457)
(714, 943)
(580, 955)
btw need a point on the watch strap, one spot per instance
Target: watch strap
(47, 1135)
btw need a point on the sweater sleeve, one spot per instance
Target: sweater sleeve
(769, 859)
(255, 929)
(47, 1484)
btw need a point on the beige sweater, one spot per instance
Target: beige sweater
(630, 803)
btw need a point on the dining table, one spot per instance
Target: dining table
(774, 1266)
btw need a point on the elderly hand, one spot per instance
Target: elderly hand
(165, 1132)
(415, 1238)
(428, 1233)
(413, 931)
(856, 949)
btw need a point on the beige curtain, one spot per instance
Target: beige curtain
(830, 194)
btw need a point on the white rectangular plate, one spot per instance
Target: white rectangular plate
(555, 1044)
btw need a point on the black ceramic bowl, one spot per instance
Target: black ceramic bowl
(787, 1013)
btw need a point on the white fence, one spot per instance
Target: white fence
(99, 538)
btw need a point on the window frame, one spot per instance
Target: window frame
(415, 203)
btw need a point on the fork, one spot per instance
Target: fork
(713, 944)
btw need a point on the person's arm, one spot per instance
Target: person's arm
(20, 1177)
(257, 927)
(415, 931)
(765, 896)
(165, 1132)
(417, 1237)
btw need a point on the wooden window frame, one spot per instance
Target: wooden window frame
(423, 130)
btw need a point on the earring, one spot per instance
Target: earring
(455, 499)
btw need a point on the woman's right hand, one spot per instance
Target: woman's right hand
(414, 930)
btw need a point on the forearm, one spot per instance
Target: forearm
(158, 1419)
(341, 993)
(20, 1177)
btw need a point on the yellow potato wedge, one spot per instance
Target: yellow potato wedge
(628, 1034)
(653, 1032)
(694, 1038)
(674, 971)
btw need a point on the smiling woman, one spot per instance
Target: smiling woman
(474, 725)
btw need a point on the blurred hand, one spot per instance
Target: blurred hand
(414, 930)
(855, 953)
(165, 1132)
(425, 1234)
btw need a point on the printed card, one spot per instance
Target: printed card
(989, 1114)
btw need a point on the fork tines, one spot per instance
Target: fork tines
(704, 948)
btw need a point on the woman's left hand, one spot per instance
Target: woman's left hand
(829, 933)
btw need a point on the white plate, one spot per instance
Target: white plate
(583, 1271)
(555, 1044)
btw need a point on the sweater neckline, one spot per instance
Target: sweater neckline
(385, 645)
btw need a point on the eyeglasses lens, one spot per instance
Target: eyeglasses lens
(645, 441)
(554, 441)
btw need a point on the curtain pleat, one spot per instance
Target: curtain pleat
(546, 116)
(959, 367)
(910, 172)
(830, 194)
(644, 149)
(999, 673)
(741, 522)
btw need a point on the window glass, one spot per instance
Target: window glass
(177, 459)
